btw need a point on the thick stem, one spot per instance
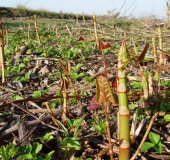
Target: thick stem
(124, 129)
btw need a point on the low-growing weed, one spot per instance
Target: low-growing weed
(137, 86)
(24, 152)
(165, 83)
(37, 94)
(98, 124)
(154, 144)
(15, 97)
(24, 78)
(70, 143)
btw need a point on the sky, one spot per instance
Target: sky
(131, 8)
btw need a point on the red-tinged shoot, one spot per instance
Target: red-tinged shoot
(81, 39)
(107, 45)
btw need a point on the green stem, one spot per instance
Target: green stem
(124, 129)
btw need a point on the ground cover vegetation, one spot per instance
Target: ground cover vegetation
(84, 88)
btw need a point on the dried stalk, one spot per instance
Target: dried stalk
(6, 34)
(168, 7)
(2, 65)
(95, 30)
(68, 30)
(36, 28)
(56, 30)
(29, 29)
(67, 70)
(77, 19)
(154, 49)
(145, 94)
(84, 21)
(51, 113)
(160, 44)
(145, 136)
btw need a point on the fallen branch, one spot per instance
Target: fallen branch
(14, 128)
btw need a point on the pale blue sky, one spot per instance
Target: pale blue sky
(137, 7)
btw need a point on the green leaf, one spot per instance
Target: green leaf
(155, 138)
(131, 107)
(98, 128)
(12, 151)
(36, 147)
(146, 146)
(4, 114)
(72, 143)
(69, 123)
(27, 76)
(162, 106)
(47, 137)
(49, 155)
(53, 104)
(26, 156)
(167, 118)
(168, 106)
(101, 127)
(83, 93)
(16, 97)
(39, 158)
(25, 149)
(78, 66)
(37, 94)
(158, 148)
(63, 127)
(8, 152)
(136, 85)
(139, 111)
(77, 123)
(7, 50)
(21, 65)
(3, 153)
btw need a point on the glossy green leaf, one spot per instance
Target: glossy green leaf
(36, 147)
(63, 127)
(146, 146)
(167, 118)
(155, 138)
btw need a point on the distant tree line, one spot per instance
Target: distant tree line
(24, 12)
